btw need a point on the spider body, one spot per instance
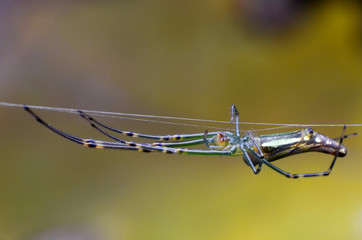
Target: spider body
(278, 146)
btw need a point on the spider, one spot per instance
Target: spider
(256, 151)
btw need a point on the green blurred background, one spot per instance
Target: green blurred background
(278, 61)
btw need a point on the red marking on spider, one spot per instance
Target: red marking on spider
(221, 137)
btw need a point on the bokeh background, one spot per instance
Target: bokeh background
(284, 61)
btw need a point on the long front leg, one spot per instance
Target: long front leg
(94, 124)
(175, 137)
(125, 145)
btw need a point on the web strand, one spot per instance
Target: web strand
(153, 118)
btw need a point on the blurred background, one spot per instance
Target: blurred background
(282, 61)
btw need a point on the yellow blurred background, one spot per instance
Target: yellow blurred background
(278, 61)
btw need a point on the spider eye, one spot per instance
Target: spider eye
(310, 131)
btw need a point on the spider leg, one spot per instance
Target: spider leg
(235, 118)
(317, 174)
(179, 144)
(248, 159)
(346, 136)
(206, 141)
(246, 149)
(259, 155)
(91, 143)
(160, 144)
(209, 140)
(155, 137)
